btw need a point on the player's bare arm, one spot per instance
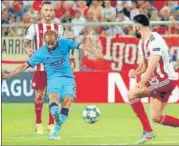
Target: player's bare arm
(152, 65)
(16, 71)
(91, 50)
(140, 69)
(27, 48)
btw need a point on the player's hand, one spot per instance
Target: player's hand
(98, 53)
(139, 86)
(29, 52)
(132, 73)
(5, 75)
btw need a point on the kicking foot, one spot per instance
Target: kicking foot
(146, 136)
(54, 135)
(39, 129)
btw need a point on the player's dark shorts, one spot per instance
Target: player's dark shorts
(39, 80)
(161, 87)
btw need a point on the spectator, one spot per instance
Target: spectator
(28, 11)
(8, 6)
(4, 16)
(4, 20)
(37, 5)
(155, 16)
(27, 5)
(19, 28)
(140, 3)
(174, 7)
(143, 9)
(2, 6)
(122, 18)
(90, 17)
(32, 13)
(149, 6)
(172, 4)
(82, 7)
(69, 11)
(174, 29)
(12, 29)
(12, 20)
(134, 11)
(124, 6)
(59, 10)
(20, 11)
(109, 12)
(26, 19)
(78, 29)
(97, 10)
(165, 13)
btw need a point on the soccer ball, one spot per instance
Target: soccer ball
(91, 114)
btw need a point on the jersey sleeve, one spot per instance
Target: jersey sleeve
(155, 48)
(73, 44)
(35, 59)
(141, 53)
(30, 33)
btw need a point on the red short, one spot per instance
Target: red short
(39, 80)
(161, 87)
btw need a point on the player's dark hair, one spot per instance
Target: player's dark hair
(142, 19)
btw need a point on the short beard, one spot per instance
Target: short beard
(47, 19)
(53, 48)
(138, 35)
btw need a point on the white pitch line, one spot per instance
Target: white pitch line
(163, 142)
(102, 136)
(97, 136)
(173, 134)
(28, 137)
(83, 136)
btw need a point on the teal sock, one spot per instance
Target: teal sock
(55, 111)
(63, 118)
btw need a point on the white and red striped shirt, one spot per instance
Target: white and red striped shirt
(155, 45)
(36, 33)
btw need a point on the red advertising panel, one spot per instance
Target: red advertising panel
(108, 87)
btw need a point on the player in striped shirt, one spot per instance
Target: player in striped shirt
(158, 79)
(36, 33)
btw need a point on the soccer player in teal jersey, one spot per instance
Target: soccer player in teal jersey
(61, 86)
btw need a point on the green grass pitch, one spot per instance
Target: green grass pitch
(118, 125)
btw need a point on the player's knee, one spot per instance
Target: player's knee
(131, 95)
(156, 118)
(39, 95)
(37, 100)
(67, 101)
(53, 98)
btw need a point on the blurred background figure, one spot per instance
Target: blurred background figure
(109, 12)
(134, 10)
(78, 29)
(109, 15)
(82, 7)
(165, 13)
(96, 10)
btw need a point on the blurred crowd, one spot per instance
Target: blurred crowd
(27, 12)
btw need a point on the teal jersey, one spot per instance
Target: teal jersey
(56, 62)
